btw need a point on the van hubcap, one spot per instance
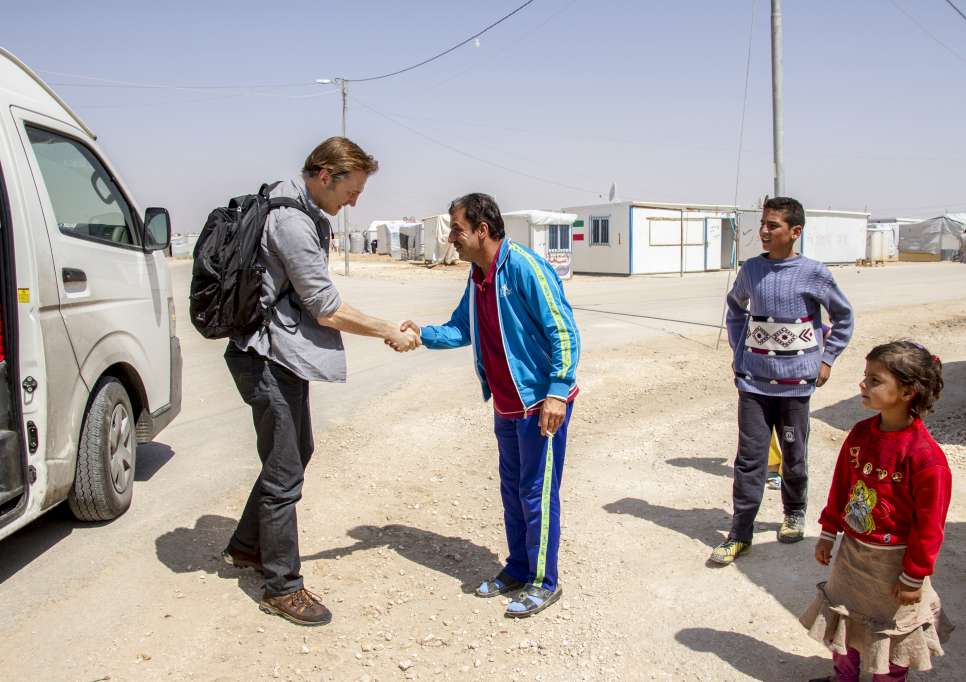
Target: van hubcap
(121, 449)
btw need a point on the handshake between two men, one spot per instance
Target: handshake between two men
(405, 339)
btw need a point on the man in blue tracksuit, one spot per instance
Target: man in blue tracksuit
(526, 348)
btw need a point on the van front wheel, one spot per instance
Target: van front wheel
(104, 479)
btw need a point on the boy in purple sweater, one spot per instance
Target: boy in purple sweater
(780, 356)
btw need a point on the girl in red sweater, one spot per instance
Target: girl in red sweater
(889, 497)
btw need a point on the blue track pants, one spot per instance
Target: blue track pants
(531, 469)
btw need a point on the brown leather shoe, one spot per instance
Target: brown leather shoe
(239, 559)
(300, 607)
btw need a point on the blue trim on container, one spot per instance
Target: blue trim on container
(630, 239)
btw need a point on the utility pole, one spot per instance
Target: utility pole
(344, 87)
(345, 209)
(778, 129)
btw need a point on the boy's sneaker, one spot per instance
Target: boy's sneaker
(792, 528)
(729, 550)
(774, 480)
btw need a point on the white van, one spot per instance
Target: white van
(90, 365)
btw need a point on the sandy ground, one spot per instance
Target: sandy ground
(401, 517)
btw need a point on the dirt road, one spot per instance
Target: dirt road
(401, 513)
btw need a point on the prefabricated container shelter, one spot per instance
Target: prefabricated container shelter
(547, 233)
(829, 236)
(639, 238)
(436, 245)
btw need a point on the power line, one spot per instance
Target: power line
(468, 155)
(741, 136)
(958, 11)
(518, 39)
(928, 32)
(444, 52)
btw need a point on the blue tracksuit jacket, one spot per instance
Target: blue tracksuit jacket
(540, 338)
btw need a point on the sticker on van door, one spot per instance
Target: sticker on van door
(23, 295)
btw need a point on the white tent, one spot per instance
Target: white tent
(546, 232)
(387, 232)
(411, 241)
(436, 246)
(940, 238)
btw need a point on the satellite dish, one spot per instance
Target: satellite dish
(612, 195)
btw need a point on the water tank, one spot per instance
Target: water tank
(356, 242)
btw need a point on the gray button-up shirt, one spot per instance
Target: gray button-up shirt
(292, 255)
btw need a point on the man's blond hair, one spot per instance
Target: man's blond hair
(339, 156)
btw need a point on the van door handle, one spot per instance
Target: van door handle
(73, 275)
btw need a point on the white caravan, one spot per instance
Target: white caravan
(90, 365)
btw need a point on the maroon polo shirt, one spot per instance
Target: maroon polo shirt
(506, 399)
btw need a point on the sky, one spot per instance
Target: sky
(547, 111)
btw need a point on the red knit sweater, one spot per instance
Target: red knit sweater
(891, 488)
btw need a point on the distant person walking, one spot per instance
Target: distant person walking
(774, 325)
(890, 493)
(272, 367)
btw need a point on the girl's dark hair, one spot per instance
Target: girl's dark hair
(914, 366)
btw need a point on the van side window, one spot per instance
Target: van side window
(86, 201)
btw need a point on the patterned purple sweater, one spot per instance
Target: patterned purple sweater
(777, 340)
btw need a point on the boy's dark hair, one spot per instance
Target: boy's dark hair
(913, 366)
(481, 208)
(791, 209)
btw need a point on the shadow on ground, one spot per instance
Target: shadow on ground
(185, 550)
(792, 589)
(752, 657)
(716, 466)
(945, 424)
(455, 556)
(789, 573)
(150, 458)
(32, 541)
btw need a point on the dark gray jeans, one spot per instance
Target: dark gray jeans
(757, 416)
(280, 409)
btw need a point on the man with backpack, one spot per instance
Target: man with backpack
(292, 337)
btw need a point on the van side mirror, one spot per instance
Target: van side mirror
(157, 229)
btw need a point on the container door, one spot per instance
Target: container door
(109, 287)
(712, 244)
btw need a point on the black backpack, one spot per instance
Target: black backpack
(226, 278)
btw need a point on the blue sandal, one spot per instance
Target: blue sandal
(532, 600)
(501, 584)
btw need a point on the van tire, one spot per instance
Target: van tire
(104, 478)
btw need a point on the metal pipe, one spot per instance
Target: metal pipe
(778, 131)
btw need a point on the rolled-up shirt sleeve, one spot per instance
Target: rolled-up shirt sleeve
(295, 242)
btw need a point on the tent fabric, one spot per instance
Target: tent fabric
(544, 217)
(941, 236)
(387, 232)
(436, 246)
(411, 241)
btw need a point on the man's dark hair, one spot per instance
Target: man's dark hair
(480, 208)
(791, 209)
